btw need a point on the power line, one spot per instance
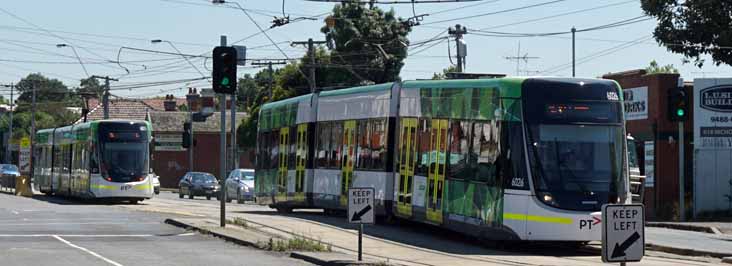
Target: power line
(495, 12)
(595, 55)
(559, 15)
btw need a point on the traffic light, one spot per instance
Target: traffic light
(678, 105)
(186, 135)
(224, 69)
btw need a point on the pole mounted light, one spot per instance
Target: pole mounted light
(61, 45)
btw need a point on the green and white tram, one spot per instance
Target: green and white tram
(101, 159)
(504, 159)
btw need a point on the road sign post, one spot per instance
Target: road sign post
(360, 211)
(623, 233)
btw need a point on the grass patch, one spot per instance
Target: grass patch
(297, 243)
(239, 221)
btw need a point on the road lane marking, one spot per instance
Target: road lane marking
(90, 236)
(15, 212)
(87, 251)
(110, 223)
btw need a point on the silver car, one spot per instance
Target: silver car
(240, 185)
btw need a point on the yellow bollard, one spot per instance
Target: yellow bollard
(22, 186)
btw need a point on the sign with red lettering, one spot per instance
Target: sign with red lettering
(623, 232)
(361, 205)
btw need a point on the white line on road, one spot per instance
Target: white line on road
(87, 251)
(78, 235)
(15, 212)
(102, 223)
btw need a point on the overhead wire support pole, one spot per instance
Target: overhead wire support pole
(458, 33)
(8, 160)
(269, 64)
(574, 30)
(311, 53)
(105, 97)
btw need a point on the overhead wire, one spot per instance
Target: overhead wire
(495, 12)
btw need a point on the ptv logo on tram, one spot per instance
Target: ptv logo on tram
(588, 223)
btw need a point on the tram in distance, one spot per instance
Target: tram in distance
(500, 159)
(107, 159)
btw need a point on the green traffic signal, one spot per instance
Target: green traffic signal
(680, 112)
(225, 81)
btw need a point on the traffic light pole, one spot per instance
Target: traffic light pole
(682, 209)
(222, 148)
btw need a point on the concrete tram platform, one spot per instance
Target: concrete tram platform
(406, 244)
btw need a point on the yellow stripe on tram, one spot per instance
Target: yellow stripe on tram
(105, 187)
(536, 218)
(145, 186)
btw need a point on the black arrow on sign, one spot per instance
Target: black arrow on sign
(357, 215)
(619, 250)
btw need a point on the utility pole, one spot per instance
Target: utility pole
(269, 64)
(10, 128)
(234, 152)
(311, 53)
(105, 96)
(458, 33)
(191, 98)
(574, 30)
(33, 129)
(222, 155)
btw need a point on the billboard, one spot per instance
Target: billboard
(635, 103)
(712, 113)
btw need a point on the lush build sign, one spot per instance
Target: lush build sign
(713, 113)
(635, 103)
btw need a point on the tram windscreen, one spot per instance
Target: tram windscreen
(576, 143)
(124, 153)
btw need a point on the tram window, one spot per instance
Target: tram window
(458, 155)
(336, 145)
(487, 148)
(423, 149)
(274, 148)
(323, 145)
(293, 148)
(378, 143)
(364, 149)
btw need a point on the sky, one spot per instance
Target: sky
(103, 32)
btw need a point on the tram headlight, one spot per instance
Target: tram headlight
(548, 199)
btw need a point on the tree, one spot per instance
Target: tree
(693, 28)
(91, 86)
(654, 68)
(46, 89)
(443, 75)
(367, 42)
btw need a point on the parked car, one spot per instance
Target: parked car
(8, 173)
(156, 183)
(198, 184)
(240, 185)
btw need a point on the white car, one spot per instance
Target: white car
(240, 185)
(156, 183)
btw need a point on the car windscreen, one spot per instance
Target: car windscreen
(247, 175)
(203, 178)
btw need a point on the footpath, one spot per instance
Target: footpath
(711, 239)
(403, 245)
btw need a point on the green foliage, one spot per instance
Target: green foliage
(443, 75)
(373, 43)
(654, 68)
(693, 28)
(298, 243)
(370, 47)
(91, 86)
(46, 89)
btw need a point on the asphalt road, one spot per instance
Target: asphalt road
(51, 231)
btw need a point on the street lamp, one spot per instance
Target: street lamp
(60, 45)
(179, 53)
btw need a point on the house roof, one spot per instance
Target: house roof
(173, 122)
(126, 108)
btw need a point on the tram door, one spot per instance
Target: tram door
(407, 160)
(282, 171)
(348, 152)
(436, 172)
(300, 160)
